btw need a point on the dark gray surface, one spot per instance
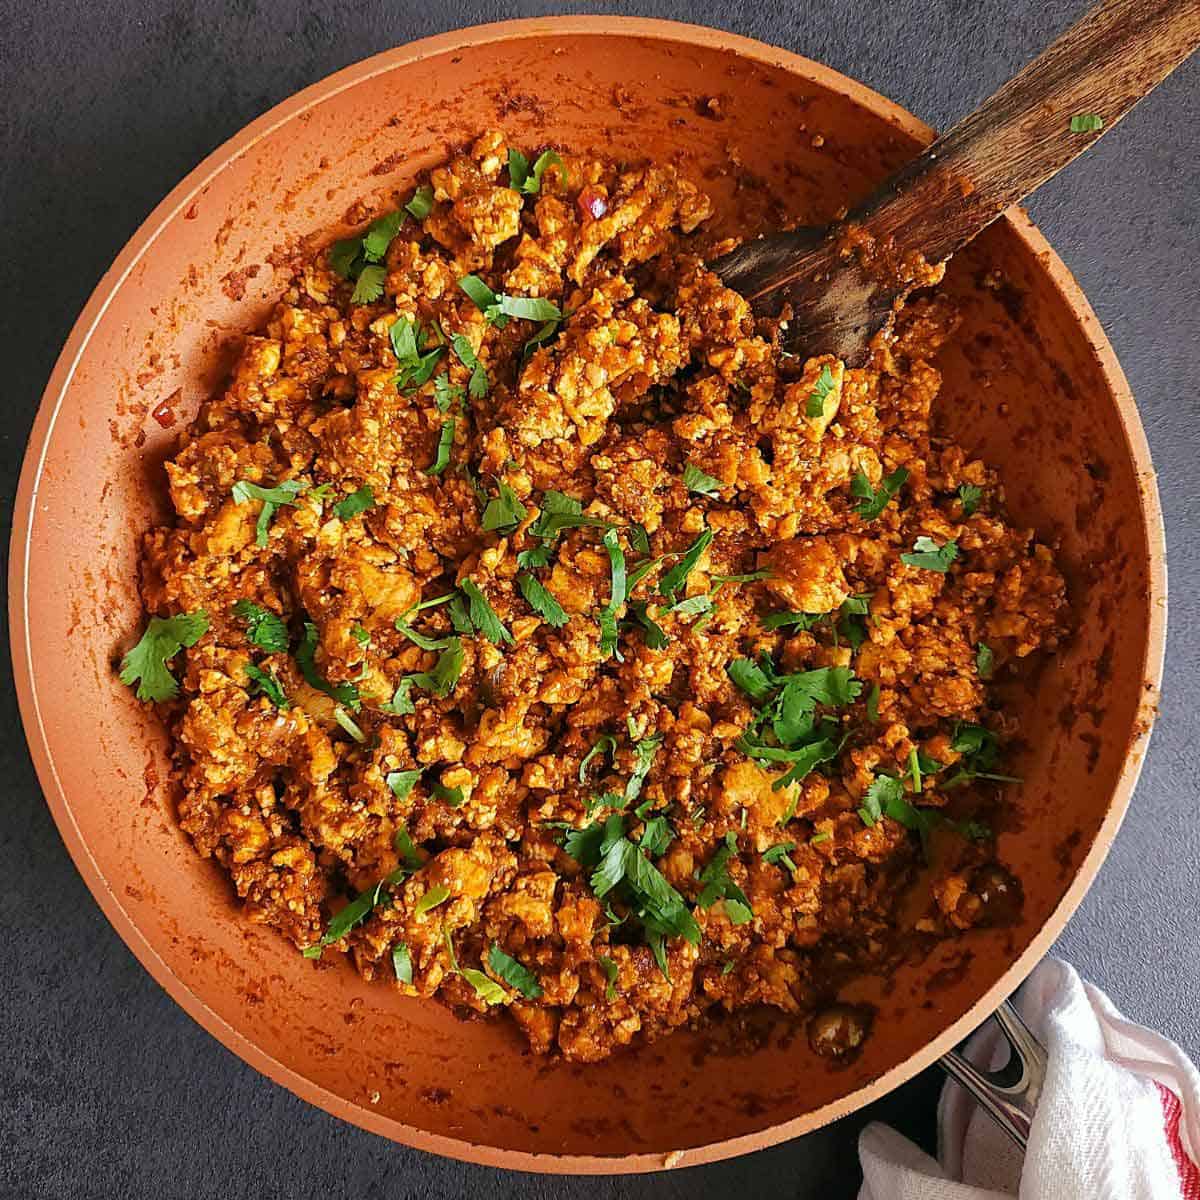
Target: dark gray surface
(106, 1088)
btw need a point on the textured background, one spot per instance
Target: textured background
(106, 1088)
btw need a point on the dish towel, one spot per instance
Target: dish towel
(1118, 1119)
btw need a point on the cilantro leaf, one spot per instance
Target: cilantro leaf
(479, 383)
(306, 660)
(969, 496)
(264, 683)
(522, 179)
(558, 512)
(716, 884)
(1086, 123)
(639, 539)
(815, 404)
(146, 663)
(379, 235)
(514, 973)
(673, 580)
(446, 393)
(541, 600)
(369, 286)
(416, 366)
(263, 628)
(444, 676)
(355, 503)
(871, 502)
(505, 512)
(655, 636)
(527, 308)
(609, 967)
(438, 894)
(421, 204)
(479, 293)
(883, 788)
(643, 758)
(486, 988)
(343, 718)
(617, 594)
(402, 783)
(402, 963)
(283, 493)
(343, 256)
(452, 796)
(529, 560)
(780, 855)
(657, 835)
(929, 556)
(695, 480)
(801, 621)
(751, 678)
(985, 660)
(420, 639)
(483, 616)
(605, 744)
(873, 704)
(445, 441)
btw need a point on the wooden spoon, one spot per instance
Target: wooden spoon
(845, 280)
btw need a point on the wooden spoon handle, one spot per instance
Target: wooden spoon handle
(1103, 65)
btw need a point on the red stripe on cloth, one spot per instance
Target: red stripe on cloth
(1189, 1173)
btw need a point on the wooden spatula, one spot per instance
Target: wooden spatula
(843, 281)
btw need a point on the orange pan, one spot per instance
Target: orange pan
(1031, 384)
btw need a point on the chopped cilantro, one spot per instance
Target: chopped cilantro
(815, 405)
(441, 458)
(379, 235)
(416, 366)
(522, 179)
(306, 659)
(445, 393)
(444, 676)
(419, 639)
(657, 835)
(609, 967)
(801, 621)
(283, 493)
(882, 789)
(605, 744)
(369, 286)
(817, 838)
(539, 598)
(1086, 123)
(969, 496)
(985, 660)
(872, 502)
(655, 637)
(695, 480)
(673, 580)
(355, 503)
(639, 539)
(146, 663)
(483, 616)
(353, 915)
(402, 783)
(780, 854)
(264, 682)
(529, 560)
(402, 963)
(438, 894)
(454, 797)
(498, 308)
(558, 512)
(617, 595)
(263, 628)
(929, 556)
(504, 512)
(479, 383)
(716, 884)
(421, 204)
(873, 704)
(513, 973)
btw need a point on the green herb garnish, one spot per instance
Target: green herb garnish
(264, 683)
(695, 480)
(815, 405)
(441, 458)
(402, 963)
(673, 580)
(985, 660)
(146, 663)
(541, 601)
(504, 512)
(306, 659)
(780, 854)
(1086, 123)
(872, 502)
(355, 503)
(272, 498)
(263, 628)
(421, 204)
(438, 894)
(369, 286)
(617, 595)
(969, 496)
(929, 556)
(402, 783)
(522, 179)
(513, 973)
(479, 383)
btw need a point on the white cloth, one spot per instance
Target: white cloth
(1118, 1119)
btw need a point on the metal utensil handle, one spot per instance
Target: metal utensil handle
(1010, 1093)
